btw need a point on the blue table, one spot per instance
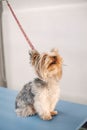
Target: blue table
(70, 116)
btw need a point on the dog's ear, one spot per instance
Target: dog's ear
(54, 50)
(33, 56)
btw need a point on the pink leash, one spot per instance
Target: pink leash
(20, 26)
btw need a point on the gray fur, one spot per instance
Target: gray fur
(26, 95)
(40, 83)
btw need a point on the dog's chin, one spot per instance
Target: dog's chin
(53, 73)
(50, 71)
(56, 72)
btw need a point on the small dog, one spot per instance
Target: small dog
(41, 95)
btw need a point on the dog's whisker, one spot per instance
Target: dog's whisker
(65, 65)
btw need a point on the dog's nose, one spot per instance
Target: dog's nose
(54, 57)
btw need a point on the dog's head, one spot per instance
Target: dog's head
(47, 65)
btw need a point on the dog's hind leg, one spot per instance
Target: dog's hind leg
(26, 111)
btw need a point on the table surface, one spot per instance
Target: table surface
(70, 117)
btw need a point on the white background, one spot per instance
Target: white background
(49, 24)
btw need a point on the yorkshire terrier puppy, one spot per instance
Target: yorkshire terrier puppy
(41, 95)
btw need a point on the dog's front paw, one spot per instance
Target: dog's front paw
(54, 113)
(46, 117)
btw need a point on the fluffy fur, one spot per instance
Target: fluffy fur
(41, 95)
